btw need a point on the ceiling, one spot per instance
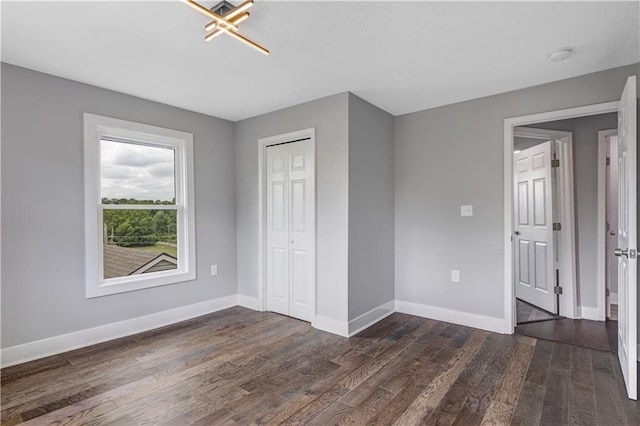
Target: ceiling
(400, 56)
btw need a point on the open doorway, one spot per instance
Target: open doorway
(544, 253)
(586, 211)
(557, 230)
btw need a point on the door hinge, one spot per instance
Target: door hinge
(607, 292)
(608, 161)
(555, 163)
(557, 226)
(557, 290)
(608, 226)
(632, 254)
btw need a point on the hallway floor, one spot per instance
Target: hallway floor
(590, 334)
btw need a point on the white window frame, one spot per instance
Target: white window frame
(95, 128)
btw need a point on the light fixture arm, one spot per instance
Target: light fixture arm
(236, 20)
(219, 19)
(228, 23)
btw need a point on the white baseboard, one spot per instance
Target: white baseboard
(54, 345)
(367, 319)
(589, 313)
(248, 302)
(496, 325)
(330, 325)
(613, 298)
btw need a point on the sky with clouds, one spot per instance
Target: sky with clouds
(137, 171)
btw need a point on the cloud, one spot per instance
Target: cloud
(137, 171)
(161, 170)
(114, 172)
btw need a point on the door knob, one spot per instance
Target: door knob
(517, 232)
(620, 252)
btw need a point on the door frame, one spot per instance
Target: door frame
(565, 213)
(509, 125)
(601, 279)
(263, 143)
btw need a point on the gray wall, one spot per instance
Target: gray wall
(520, 143)
(371, 210)
(43, 289)
(453, 155)
(585, 174)
(329, 116)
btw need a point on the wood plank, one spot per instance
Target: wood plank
(511, 384)
(403, 398)
(555, 408)
(429, 398)
(539, 367)
(482, 384)
(361, 392)
(217, 416)
(529, 408)
(368, 408)
(498, 413)
(581, 370)
(467, 417)
(449, 407)
(609, 408)
(582, 406)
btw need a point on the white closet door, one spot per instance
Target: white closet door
(302, 228)
(291, 229)
(278, 229)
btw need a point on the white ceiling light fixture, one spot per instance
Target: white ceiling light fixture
(225, 19)
(560, 54)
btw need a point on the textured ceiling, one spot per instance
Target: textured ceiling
(400, 56)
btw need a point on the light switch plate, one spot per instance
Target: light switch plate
(214, 269)
(466, 210)
(455, 276)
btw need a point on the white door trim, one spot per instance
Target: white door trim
(601, 230)
(567, 248)
(509, 124)
(263, 143)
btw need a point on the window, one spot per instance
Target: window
(139, 215)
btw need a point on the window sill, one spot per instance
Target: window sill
(125, 284)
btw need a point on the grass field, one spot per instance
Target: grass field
(171, 251)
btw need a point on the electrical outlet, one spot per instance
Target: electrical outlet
(466, 210)
(455, 276)
(214, 269)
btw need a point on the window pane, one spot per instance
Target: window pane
(133, 173)
(139, 241)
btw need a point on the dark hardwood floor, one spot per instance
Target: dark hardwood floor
(601, 335)
(243, 367)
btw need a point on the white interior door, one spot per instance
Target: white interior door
(627, 238)
(534, 254)
(278, 229)
(290, 266)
